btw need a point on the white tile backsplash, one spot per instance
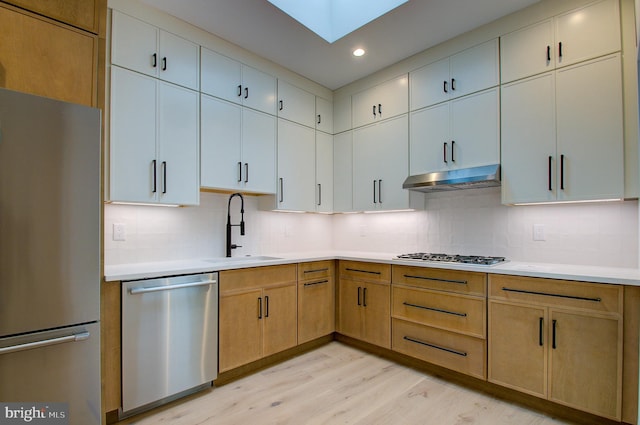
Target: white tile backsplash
(464, 222)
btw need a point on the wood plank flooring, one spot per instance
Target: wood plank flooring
(338, 384)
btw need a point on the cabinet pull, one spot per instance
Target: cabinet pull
(281, 189)
(246, 172)
(164, 176)
(246, 92)
(448, 350)
(374, 192)
(444, 151)
(461, 282)
(553, 334)
(281, 105)
(239, 171)
(154, 62)
(380, 109)
(546, 294)
(319, 119)
(541, 332)
(316, 270)
(320, 282)
(359, 290)
(266, 301)
(155, 186)
(239, 90)
(362, 271)
(364, 297)
(453, 84)
(380, 191)
(164, 63)
(549, 170)
(319, 194)
(453, 151)
(562, 172)
(374, 111)
(560, 49)
(548, 53)
(259, 307)
(445, 87)
(453, 313)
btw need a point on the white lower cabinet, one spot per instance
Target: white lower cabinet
(380, 165)
(238, 147)
(562, 135)
(154, 146)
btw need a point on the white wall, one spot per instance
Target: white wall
(465, 222)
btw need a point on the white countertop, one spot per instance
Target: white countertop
(623, 276)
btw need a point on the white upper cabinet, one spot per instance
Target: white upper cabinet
(296, 189)
(343, 172)
(235, 82)
(324, 172)
(384, 101)
(144, 48)
(575, 36)
(295, 104)
(324, 115)
(238, 147)
(469, 71)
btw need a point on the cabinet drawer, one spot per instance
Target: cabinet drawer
(256, 277)
(441, 279)
(461, 353)
(315, 270)
(371, 272)
(445, 311)
(562, 293)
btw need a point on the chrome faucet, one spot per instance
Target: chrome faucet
(231, 246)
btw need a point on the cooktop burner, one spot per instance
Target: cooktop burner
(448, 258)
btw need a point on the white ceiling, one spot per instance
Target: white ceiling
(265, 30)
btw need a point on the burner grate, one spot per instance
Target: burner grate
(450, 258)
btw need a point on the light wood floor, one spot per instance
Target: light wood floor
(337, 384)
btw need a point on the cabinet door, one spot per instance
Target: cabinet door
(529, 140)
(258, 90)
(220, 76)
(343, 172)
(133, 162)
(134, 44)
(296, 167)
(474, 69)
(258, 151)
(384, 101)
(324, 115)
(430, 84)
(350, 314)
(324, 172)
(179, 147)
(220, 144)
(517, 347)
(280, 319)
(240, 329)
(79, 13)
(295, 104)
(588, 32)
(590, 130)
(528, 51)
(341, 114)
(586, 363)
(178, 61)
(32, 49)
(475, 129)
(376, 300)
(316, 309)
(430, 131)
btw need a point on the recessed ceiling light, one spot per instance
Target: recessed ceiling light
(358, 52)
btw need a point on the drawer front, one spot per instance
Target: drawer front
(371, 272)
(315, 270)
(440, 310)
(563, 293)
(461, 353)
(256, 277)
(441, 279)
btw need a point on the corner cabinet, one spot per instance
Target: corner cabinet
(154, 141)
(295, 104)
(343, 172)
(383, 101)
(558, 340)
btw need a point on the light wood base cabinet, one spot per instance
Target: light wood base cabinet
(558, 340)
(316, 300)
(258, 314)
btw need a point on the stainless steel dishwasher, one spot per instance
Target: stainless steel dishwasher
(169, 339)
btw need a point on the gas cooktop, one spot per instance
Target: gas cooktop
(449, 258)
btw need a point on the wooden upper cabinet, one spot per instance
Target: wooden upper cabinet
(41, 57)
(79, 13)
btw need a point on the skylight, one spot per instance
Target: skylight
(333, 19)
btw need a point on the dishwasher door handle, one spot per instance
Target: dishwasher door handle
(144, 290)
(46, 342)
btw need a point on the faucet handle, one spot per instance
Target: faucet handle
(234, 246)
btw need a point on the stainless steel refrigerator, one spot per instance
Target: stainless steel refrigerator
(50, 254)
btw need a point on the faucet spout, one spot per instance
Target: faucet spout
(230, 245)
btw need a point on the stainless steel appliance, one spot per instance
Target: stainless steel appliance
(449, 258)
(455, 179)
(50, 239)
(169, 339)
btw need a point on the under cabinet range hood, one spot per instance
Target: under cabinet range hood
(463, 178)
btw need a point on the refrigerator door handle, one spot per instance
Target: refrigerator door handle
(45, 343)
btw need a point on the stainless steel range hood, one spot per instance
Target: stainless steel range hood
(464, 178)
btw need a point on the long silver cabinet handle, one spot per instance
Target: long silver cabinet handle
(44, 343)
(143, 290)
